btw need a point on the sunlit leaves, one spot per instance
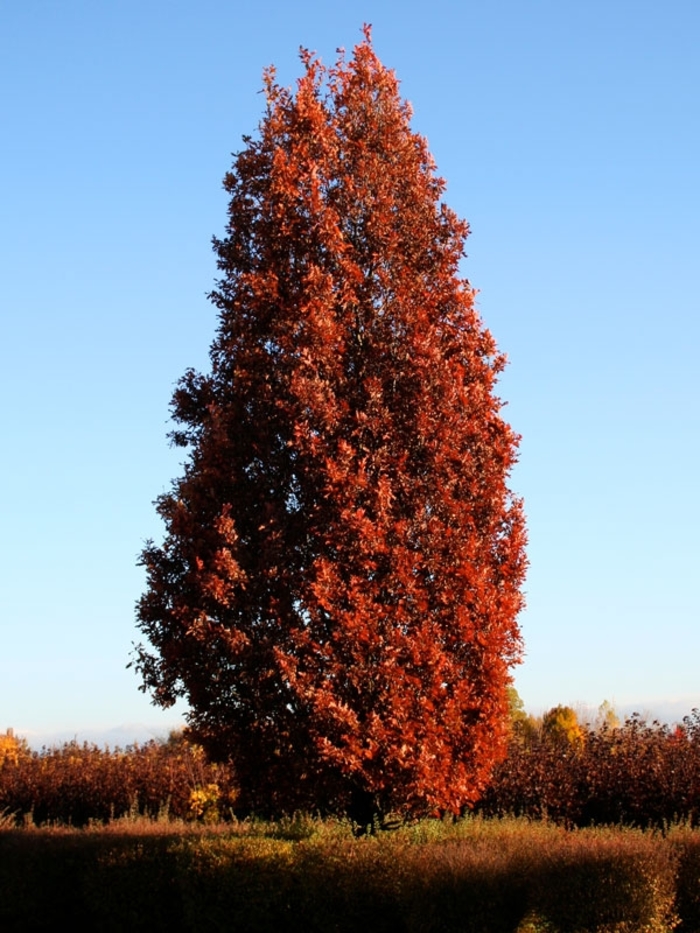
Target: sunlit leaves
(337, 593)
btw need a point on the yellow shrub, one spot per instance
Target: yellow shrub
(12, 748)
(204, 803)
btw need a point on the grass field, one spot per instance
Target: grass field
(505, 876)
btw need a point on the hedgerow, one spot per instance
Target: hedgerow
(638, 774)
(76, 783)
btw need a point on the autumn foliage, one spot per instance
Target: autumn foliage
(337, 591)
(634, 773)
(78, 783)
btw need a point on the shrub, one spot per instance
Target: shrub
(78, 783)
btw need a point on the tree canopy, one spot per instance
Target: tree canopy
(337, 593)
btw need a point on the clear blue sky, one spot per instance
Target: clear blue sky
(569, 136)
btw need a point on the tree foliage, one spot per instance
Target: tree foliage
(337, 592)
(635, 772)
(560, 724)
(12, 747)
(81, 783)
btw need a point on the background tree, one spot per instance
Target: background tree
(12, 747)
(607, 717)
(560, 724)
(525, 728)
(337, 592)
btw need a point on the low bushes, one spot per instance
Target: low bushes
(540, 873)
(637, 774)
(75, 784)
(476, 876)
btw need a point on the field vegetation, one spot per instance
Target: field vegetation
(77, 784)
(634, 773)
(510, 875)
(586, 827)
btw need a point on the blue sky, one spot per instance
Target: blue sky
(569, 136)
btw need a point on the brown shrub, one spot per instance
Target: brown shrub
(76, 783)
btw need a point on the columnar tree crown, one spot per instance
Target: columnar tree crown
(337, 593)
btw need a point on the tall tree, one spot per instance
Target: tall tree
(337, 592)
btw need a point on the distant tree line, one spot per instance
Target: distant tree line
(557, 768)
(605, 772)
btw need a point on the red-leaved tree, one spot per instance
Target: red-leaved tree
(337, 592)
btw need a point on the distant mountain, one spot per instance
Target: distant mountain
(123, 735)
